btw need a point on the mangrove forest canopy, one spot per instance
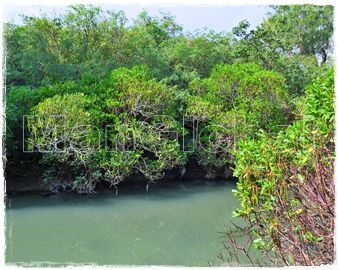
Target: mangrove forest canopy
(93, 99)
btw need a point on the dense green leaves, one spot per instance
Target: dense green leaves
(108, 130)
(294, 40)
(234, 103)
(285, 176)
(102, 99)
(140, 79)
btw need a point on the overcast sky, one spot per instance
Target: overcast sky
(191, 17)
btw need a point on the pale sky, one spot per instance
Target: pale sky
(191, 17)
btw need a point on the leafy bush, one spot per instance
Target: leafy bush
(107, 131)
(233, 103)
(286, 181)
(105, 100)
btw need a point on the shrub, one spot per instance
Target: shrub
(234, 103)
(107, 131)
(286, 184)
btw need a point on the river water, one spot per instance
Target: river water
(176, 225)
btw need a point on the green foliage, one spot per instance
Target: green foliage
(103, 100)
(309, 28)
(141, 114)
(20, 100)
(290, 41)
(141, 78)
(130, 109)
(195, 55)
(136, 93)
(235, 102)
(59, 120)
(85, 39)
(273, 170)
(257, 160)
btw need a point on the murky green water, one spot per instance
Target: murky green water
(166, 226)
